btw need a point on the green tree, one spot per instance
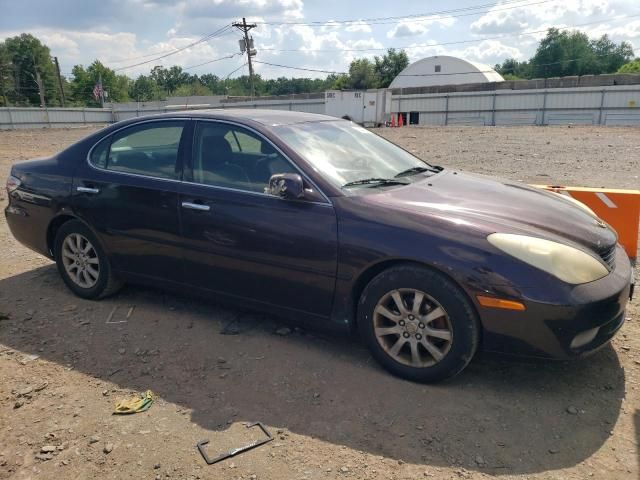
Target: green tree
(169, 79)
(362, 74)
(610, 56)
(631, 67)
(84, 81)
(29, 57)
(342, 82)
(563, 53)
(389, 66)
(511, 69)
(144, 89)
(213, 83)
(6, 78)
(195, 88)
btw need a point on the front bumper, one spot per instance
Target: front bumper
(586, 321)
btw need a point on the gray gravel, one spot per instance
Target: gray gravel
(577, 156)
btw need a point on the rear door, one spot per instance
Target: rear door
(128, 192)
(245, 243)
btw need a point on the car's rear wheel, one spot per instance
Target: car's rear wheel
(418, 324)
(82, 263)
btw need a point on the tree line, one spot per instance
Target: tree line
(565, 53)
(28, 75)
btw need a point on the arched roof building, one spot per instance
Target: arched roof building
(444, 70)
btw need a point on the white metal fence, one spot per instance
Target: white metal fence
(608, 105)
(27, 117)
(614, 105)
(306, 105)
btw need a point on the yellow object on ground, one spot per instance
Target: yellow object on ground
(136, 404)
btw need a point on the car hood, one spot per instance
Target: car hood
(492, 205)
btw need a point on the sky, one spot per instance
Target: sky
(306, 34)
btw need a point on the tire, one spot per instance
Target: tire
(91, 286)
(443, 308)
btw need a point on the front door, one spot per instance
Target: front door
(128, 193)
(245, 243)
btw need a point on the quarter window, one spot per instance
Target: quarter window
(149, 149)
(100, 153)
(229, 156)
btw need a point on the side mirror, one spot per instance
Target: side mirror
(286, 185)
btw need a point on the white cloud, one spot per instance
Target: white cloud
(418, 26)
(171, 24)
(287, 9)
(504, 19)
(359, 27)
(488, 51)
(491, 52)
(121, 49)
(407, 29)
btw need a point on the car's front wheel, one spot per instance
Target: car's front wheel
(418, 324)
(82, 263)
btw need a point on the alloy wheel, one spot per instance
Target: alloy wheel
(412, 327)
(80, 260)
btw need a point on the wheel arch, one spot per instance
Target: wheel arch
(57, 222)
(372, 271)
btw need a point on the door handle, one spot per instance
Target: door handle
(88, 190)
(196, 206)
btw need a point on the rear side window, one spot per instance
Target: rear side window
(150, 149)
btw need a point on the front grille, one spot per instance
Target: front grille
(608, 255)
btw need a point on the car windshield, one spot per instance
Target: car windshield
(350, 156)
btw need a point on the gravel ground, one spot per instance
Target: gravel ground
(334, 413)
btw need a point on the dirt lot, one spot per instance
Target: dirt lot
(333, 411)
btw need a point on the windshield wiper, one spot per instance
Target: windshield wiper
(414, 170)
(375, 181)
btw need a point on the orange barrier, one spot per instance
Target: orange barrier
(400, 120)
(619, 208)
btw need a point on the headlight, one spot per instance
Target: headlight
(567, 263)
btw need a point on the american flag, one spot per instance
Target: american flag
(97, 91)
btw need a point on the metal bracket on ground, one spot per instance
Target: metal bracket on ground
(235, 451)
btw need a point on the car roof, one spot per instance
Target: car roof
(258, 115)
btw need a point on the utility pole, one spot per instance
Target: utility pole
(40, 89)
(62, 99)
(244, 27)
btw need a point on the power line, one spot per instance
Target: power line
(396, 19)
(301, 68)
(211, 61)
(215, 34)
(427, 45)
(174, 49)
(570, 60)
(234, 71)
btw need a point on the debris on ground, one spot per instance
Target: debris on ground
(137, 404)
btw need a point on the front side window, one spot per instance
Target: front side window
(149, 149)
(226, 155)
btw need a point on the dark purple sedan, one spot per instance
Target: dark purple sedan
(322, 221)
